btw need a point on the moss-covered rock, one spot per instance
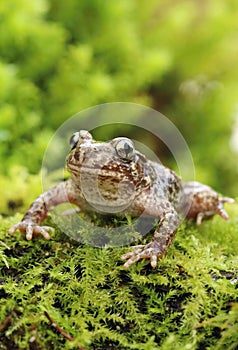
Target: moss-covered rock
(188, 302)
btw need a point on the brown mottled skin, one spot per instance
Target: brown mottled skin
(112, 177)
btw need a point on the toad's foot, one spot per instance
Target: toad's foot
(30, 228)
(217, 209)
(151, 250)
(200, 201)
(220, 208)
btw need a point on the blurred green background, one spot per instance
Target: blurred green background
(60, 57)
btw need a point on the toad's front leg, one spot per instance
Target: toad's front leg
(39, 209)
(162, 239)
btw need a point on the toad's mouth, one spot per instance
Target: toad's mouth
(115, 172)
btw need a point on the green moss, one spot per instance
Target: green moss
(188, 301)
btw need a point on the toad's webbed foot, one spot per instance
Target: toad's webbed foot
(163, 236)
(217, 209)
(31, 229)
(151, 251)
(201, 201)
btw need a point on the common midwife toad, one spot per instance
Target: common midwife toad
(112, 177)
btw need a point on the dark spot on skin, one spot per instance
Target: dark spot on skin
(170, 180)
(76, 156)
(171, 189)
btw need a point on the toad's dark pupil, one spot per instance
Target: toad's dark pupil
(127, 149)
(73, 141)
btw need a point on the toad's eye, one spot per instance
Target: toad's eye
(80, 137)
(125, 149)
(74, 140)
